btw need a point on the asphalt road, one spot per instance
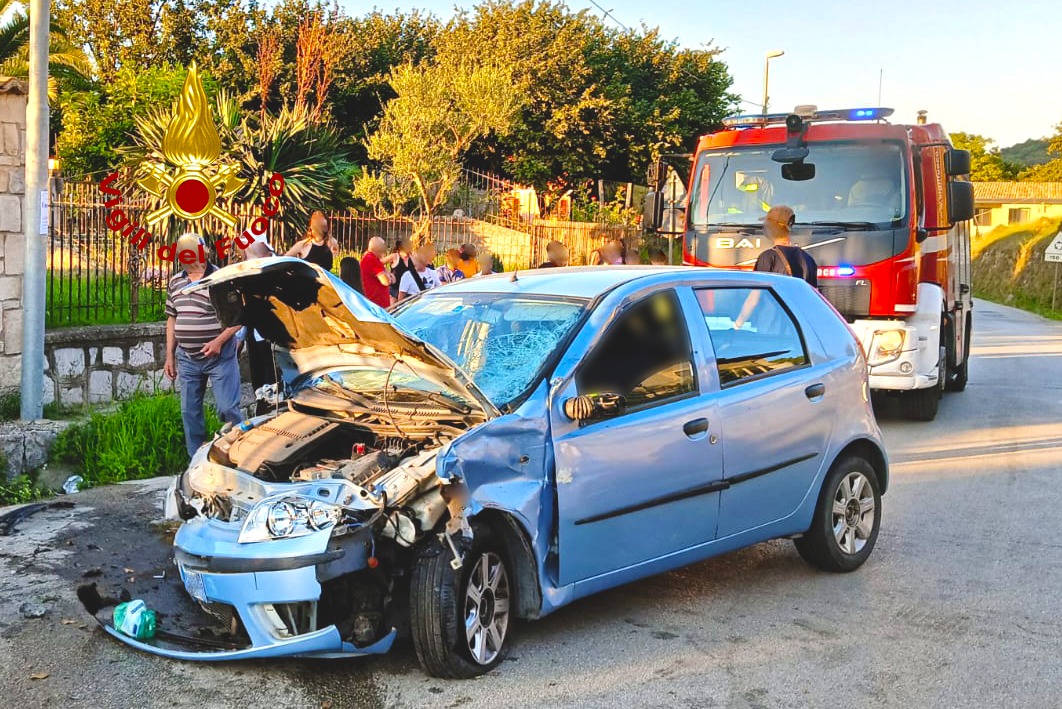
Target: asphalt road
(958, 606)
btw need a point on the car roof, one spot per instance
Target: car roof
(592, 281)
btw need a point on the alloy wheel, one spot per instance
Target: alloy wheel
(853, 513)
(487, 608)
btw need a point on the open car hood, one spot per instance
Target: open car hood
(322, 321)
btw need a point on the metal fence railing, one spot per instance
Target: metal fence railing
(95, 276)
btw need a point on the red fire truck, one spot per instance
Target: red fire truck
(883, 208)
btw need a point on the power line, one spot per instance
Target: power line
(609, 15)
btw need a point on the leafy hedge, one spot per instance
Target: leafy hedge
(142, 438)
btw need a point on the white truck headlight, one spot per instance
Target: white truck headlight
(886, 346)
(287, 517)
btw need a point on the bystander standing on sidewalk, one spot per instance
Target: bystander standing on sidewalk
(199, 349)
(451, 270)
(376, 280)
(421, 277)
(556, 255)
(259, 350)
(486, 263)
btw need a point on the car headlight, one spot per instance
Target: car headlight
(287, 517)
(886, 346)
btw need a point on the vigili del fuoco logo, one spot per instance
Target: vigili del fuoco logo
(190, 183)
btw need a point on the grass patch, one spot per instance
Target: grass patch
(1009, 267)
(105, 299)
(11, 408)
(21, 488)
(142, 438)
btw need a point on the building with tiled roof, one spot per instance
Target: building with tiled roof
(1000, 203)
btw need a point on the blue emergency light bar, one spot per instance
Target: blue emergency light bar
(844, 114)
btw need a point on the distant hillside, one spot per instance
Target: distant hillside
(1026, 154)
(1009, 266)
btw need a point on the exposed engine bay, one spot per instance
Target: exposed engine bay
(368, 482)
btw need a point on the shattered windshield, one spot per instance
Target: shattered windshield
(501, 341)
(853, 183)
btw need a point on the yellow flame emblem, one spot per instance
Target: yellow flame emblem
(191, 143)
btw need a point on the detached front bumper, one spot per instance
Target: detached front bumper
(260, 583)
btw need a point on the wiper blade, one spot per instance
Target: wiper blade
(754, 225)
(844, 225)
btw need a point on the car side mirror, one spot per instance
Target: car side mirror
(592, 407)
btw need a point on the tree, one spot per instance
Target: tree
(67, 63)
(1027, 153)
(308, 153)
(440, 109)
(97, 122)
(115, 33)
(600, 102)
(986, 164)
(1050, 171)
(315, 62)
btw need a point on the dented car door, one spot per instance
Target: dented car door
(616, 508)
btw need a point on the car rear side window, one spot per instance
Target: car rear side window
(752, 333)
(645, 355)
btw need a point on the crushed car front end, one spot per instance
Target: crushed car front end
(299, 526)
(310, 566)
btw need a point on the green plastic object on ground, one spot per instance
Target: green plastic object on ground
(135, 619)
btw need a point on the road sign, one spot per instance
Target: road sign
(1053, 252)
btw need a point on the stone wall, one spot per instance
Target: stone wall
(104, 362)
(12, 243)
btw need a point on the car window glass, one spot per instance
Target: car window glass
(767, 341)
(501, 341)
(645, 355)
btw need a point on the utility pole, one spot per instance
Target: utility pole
(35, 212)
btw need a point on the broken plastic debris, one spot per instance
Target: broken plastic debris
(39, 675)
(135, 619)
(72, 484)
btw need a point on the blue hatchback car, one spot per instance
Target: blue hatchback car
(499, 447)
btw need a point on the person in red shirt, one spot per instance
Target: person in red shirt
(375, 278)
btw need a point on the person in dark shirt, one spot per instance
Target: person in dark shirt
(403, 261)
(783, 257)
(556, 255)
(350, 273)
(318, 246)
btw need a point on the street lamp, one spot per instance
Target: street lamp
(774, 53)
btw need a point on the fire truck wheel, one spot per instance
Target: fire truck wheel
(960, 374)
(847, 517)
(920, 404)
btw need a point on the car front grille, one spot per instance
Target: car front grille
(851, 297)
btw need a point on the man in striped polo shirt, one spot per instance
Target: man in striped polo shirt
(198, 348)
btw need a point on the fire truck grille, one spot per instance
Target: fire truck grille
(850, 297)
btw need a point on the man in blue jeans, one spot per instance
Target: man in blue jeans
(198, 348)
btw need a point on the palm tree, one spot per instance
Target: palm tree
(66, 62)
(309, 154)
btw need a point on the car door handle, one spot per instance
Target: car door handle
(695, 427)
(815, 391)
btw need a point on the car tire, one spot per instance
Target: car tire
(447, 623)
(838, 539)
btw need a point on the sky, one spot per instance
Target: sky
(991, 67)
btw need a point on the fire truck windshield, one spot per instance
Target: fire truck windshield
(857, 184)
